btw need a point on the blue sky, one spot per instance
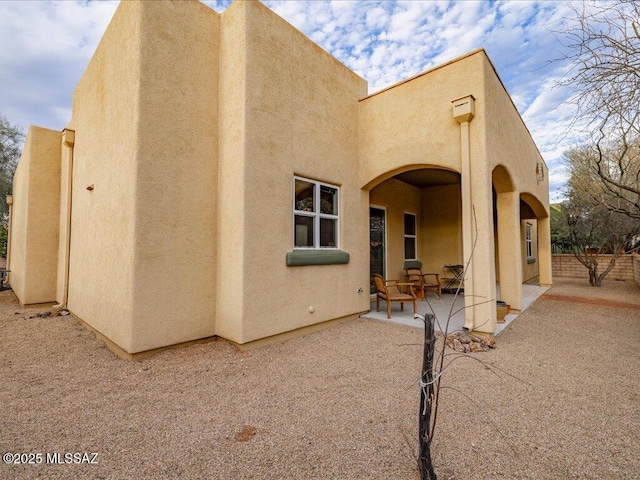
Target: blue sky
(46, 45)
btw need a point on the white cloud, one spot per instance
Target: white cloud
(47, 45)
(46, 48)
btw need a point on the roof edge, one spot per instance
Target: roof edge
(432, 69)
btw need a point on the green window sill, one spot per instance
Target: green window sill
(298, 258)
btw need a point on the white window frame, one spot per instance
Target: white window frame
(528, 240)
(414, 236)
(316, 215)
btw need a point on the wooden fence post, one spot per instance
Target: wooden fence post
(426, 400)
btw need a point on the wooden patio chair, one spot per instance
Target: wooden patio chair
(422, 282)
(386, 290)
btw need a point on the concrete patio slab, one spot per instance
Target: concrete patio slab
(448, 308)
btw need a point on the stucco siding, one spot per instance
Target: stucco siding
(230, 275)
(441, 242)
(301, 119)
(35, 210)
(105, 114)
(411, 125)
(508, 141)
(176, 175)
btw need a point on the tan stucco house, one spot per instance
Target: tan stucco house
(221, 173)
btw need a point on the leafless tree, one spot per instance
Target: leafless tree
(597, 214)
(602, 46)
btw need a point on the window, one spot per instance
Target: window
(315, 214)
(528, 241)
(410, 244)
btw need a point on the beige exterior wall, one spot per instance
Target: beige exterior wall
(411, 126)
(105, 111)
(636, 268)
(176, 175)
(511, 150)
(300, 118)
(64, 223)
(34, 226)
(441, 231)
(230, 274)
(142, 263)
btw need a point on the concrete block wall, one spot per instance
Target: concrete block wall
(627, 267)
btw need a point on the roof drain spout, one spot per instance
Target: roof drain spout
(64, 248)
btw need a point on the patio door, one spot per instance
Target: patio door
(377, 242)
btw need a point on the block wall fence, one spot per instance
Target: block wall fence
(627, 267)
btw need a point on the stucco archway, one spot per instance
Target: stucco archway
(536, 238)
(424, 196)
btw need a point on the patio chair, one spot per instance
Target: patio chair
(386, 290)
(422, 282)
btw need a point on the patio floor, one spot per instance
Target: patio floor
(442, 307)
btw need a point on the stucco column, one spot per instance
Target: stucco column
(544, 251)
(510, 248)
(477, 229)
(463, 112)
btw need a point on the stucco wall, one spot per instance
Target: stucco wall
(230, 273)
(508, 142)
(636, 268)
(509, 147)
(176, 175)
(35, 210)
(300, 118)
(441, 228)
(411, 125)
(105, 112)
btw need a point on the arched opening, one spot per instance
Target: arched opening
(532, 211)
(415, 215)
(516, 225)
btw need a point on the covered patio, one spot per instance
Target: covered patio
(450, 305)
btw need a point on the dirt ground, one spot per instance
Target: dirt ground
(557, 399)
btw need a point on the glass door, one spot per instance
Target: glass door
(377, 237)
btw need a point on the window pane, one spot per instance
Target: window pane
(304, 196)
(328, 233)
(409, 224)
(328, 200)
(409, 248)
(304, 231)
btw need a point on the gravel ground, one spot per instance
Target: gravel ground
(340, 403)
